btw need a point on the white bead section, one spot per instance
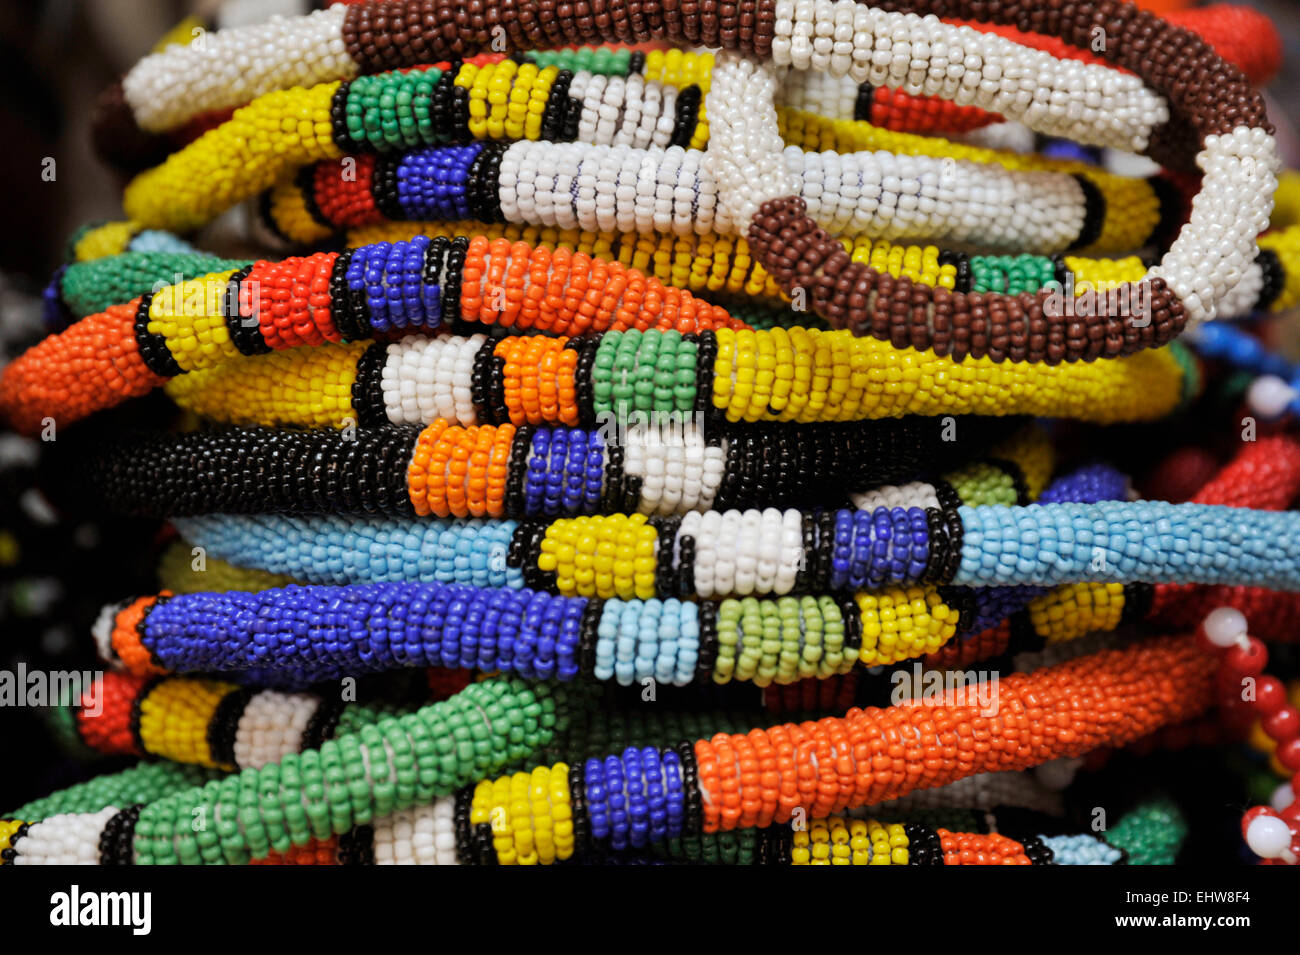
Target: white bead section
(1239, 301)
(271, 727)
(424, 379)
(923, 56)
(744, 552)
(1006, 137)
(102, 631)
(242, 13)
(912, 494)
(679, 470)
(744, 141)
(228, 68)
(835, 97)
(898, 197)
(1216, 246)
(70, 838)
(421, 835)
(892, 196)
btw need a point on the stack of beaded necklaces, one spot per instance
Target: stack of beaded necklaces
(702, 360)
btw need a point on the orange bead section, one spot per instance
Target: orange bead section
(126, 636)
(972, 848)
(93, 365)
(868, 756)
(516, 284)
(315, 852)
(539, 383)
(460, 472)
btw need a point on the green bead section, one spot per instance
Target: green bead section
(780, 640)
(1152, 833)
(88, 288)
(142, 783)
(390, 111)
(981, 483)
(1191, 368)
(383, 767)
(601, 60)
(1010, 274)
(652, 372)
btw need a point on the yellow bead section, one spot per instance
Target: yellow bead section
(287, 210)
(899, 623)
(836, 376)
(1075, 610)
(111, 238)
(182, 34)
(174, 719)
(7, 829)
(182, 571)
(603, 556)
(678, 68)
(531, 815)
(191, 318)
(1285, 244)
(247, 154)
(837, 840)
(1284, 240)
(1102, 275)
(307, 387)
(1031, 450)
(888, 843)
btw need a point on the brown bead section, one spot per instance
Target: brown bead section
(392, 34)
(1040, 327)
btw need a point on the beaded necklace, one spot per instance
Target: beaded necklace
(172, 86)
(645, 796)
(1236, 138)
(327, 297)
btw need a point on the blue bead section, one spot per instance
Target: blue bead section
(647, 640)
(1094, 482)
(333, 549)
(1088, 484)
(434, 183)
(1081, 849)
(564, 473)
(300, 635)
(1226, 342)
(156, 240)
(636, 798)
(389, 277)
(878, 546)
(55, 314)
(1149, 541)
